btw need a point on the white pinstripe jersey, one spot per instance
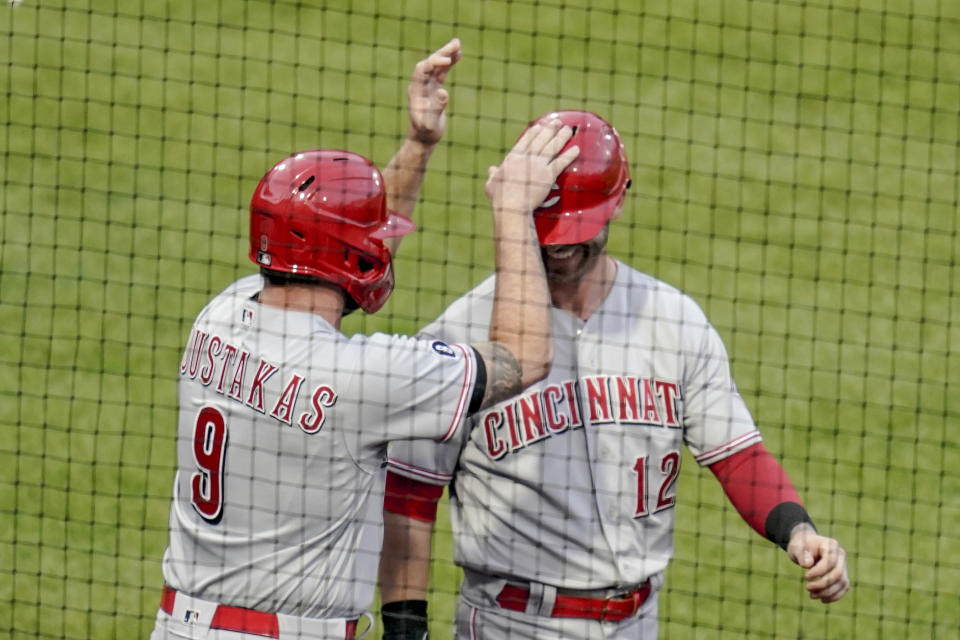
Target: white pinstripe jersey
(283, 429)
(573, 482)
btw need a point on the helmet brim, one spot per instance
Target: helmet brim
(395, 226)
(572, 227)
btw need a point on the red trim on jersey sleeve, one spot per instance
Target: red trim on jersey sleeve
(708, 458)
(411, 498)
(469, 379)
(755, 483)
(418, 473)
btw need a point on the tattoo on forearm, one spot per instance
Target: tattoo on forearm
(504, 374)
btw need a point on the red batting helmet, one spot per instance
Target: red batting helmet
(589, 191)
(324, 214)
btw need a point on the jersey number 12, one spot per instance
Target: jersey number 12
(669, 468)
(209, 451)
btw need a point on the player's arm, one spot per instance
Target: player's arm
(519, 353)
(427, 100)
(520, 350)
(409, 511)
(762, 493)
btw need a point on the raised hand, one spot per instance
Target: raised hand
(427, 97)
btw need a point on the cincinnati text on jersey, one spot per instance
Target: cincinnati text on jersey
(557, 407)
(222, 366)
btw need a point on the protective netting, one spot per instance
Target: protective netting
(794, 169)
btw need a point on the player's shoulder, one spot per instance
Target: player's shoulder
(468, 317)
(245, 286)
(648, 299)
(378, 346)
(480, 296)
(642, 289)
(235, 295)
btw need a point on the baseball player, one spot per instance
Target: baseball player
(563, 496)
(276, 519)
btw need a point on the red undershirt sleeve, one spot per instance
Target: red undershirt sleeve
(757, 485)
(411, 498)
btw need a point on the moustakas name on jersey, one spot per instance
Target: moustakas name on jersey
(283, 427)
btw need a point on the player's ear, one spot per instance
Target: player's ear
(619, 208)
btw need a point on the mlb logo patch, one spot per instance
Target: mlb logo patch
(444, 349)
(246, 315)
(191, 617)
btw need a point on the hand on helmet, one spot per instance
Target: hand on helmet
(524, 178)
(426, 95)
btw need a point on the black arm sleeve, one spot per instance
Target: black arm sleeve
(480, 387)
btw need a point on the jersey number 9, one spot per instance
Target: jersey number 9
(209, 452)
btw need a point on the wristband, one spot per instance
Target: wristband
(404, 620)
(781, 521)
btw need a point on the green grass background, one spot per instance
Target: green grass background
(795, 169)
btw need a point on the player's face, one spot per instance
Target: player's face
(569, 263)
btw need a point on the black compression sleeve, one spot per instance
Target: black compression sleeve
(480, 387)
(404, 620)
(781, 521)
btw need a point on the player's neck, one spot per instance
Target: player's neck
(583, 297)
(322, 300)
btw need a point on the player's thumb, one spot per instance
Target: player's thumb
(443, 97)
(489, 186)
(800, 553)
